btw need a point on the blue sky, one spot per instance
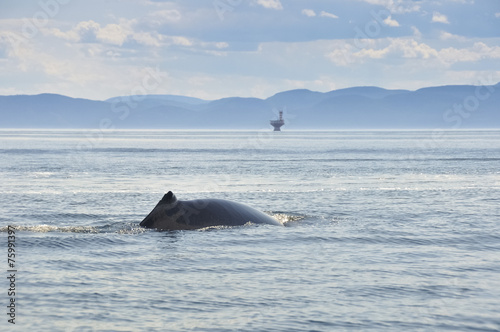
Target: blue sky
(251, 48)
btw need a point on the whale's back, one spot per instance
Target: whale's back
(172, 214)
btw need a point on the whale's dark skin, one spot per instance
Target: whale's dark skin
(172, 214)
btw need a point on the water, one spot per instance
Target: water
(385, 231)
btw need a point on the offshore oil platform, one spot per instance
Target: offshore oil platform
(278, 123)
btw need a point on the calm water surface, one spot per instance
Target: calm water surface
(385, 230)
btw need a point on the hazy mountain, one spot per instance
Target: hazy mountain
(444, 107)
(50, 111)
(365, 91)
(161, 98)
(296, 99)
(236, 113)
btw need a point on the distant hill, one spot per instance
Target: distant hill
(50, 111)
(365, 91)
(447, 107)
(162, 98)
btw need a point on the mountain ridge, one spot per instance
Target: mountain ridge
(366, 107)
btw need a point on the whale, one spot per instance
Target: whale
(171, 214)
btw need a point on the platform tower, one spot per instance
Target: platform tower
(277, 124)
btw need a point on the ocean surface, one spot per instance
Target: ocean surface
(383, 231)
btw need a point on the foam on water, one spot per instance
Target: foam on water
(51, 228)
(119, 229)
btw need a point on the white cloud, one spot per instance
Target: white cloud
(312, 13)
(390, 22)
(182, 41)
(148, 38)
(90, 31)
(84, 31)
(439, 18)
(113, 34)
(497, 15)
(31, 58)
(409, 52)
(164, 16)
(308, 12)
(380, 2)
(405, 48)
(477, 52)
(341, 53)
(271, 4)
(396, 6)
(410, 48)
(117, 34)
(327, 14)
(372, 53)
(416, 33)
(449, 36)
(221, 45)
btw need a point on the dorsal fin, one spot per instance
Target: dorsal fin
(169, 198)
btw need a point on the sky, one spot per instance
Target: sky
(211, 49)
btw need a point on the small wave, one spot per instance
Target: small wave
(131, 229)
(119, 228)
(285, 218)
(219, 227)
(50, 228)
(289, 219)
(44, 174)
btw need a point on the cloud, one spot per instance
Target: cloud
(478, 51)
(341, 54)
(91, 32)
(390, 22)
(312, 13)
(308, 12)
(416, 33)
(439, 18)
(32, 59)
(83, 32)
(148, 39)
(326, 14)
(161, 17)
(409, 48)
(221, 45)
(117, 34)
(183, 41)
(396, 6)
(271, 4)
(113, 34)
(372, 53)
(4, 44)
(449, 36)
